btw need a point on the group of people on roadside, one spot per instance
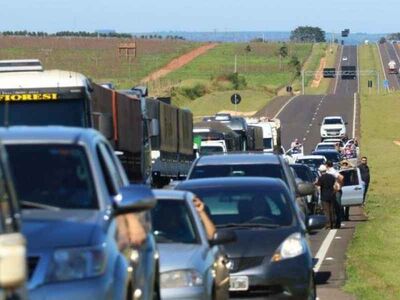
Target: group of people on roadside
(330, 182)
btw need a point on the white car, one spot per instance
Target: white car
(333, 127)
(325, 146)
(344, 58)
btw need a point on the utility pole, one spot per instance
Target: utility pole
(235, 69)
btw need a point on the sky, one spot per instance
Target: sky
(372, 16)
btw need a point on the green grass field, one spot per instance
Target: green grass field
(374, 257)
(257, 63)
(370, 60)
(96, 58)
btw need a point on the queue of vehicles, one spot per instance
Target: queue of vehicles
(82, 218)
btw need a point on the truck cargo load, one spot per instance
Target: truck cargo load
(255, 138)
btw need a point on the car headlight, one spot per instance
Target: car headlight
(181, 278)
(76, 263)
(291, 247)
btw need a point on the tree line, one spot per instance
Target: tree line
(87, 34)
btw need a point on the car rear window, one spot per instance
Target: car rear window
(172, 223)
(246, 205)
(245, 170)
(53, 174)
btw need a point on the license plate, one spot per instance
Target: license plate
(239, 283)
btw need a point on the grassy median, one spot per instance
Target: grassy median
(374, 258)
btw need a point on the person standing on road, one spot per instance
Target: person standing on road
(338, 192)
(326, 183)
(365, 174)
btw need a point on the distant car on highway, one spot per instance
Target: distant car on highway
(253, 165)
(332, 155)
(77, 216)
(344, 58)
(333, 127)
(271, 257)
(191, 266)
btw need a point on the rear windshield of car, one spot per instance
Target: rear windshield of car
(325, 146)
(55, 175)
(238, 205)
(315, 163)
(205, 150)
(172, 223)
(332, 121)
(332, 156)
(253, 170)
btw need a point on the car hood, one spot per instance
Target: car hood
(46, 229)
(181, 256)
(333, 126)
(257, 242)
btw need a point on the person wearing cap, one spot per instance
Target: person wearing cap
(326, 183)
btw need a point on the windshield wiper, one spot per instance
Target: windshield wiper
(29, 204)
(248, 225)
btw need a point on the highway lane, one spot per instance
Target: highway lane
(300, 118)
(388, 53)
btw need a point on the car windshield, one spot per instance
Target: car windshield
(52, 175)
(69, 112)
(172, 223)
(204, 150)
(254, 170)
(332, 121)
(332, 156)
(326, 146)
(314, 163)
(246, 205)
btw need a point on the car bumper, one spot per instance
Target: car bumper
(195, 293)
(94, 288)
(288, 279)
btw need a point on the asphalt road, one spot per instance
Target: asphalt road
(389, 52)
(300, 118)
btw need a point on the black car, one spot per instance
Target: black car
(271, 256)
(252, 164)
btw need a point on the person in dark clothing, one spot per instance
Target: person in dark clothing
(326, 183)
(365, 174)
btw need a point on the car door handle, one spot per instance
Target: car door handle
(357, 189)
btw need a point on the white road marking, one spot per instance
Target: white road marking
(329, 258)
(323, 250)
(338, 238)
(358, 69)
(337, 76)
(380, 55)
(283, 107)
(354, 114)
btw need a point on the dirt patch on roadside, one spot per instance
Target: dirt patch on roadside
(178, 62)
(319, 75)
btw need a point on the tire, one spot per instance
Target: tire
(313, 288)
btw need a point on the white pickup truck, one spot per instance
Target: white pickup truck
(333, 127)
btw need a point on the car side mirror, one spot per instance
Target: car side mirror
(12, 260)
(103, 122)
(154, 128)
(305, 189)
(316, 222)
(223, 237)
(132, 199)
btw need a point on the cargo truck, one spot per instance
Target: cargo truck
(216, 137)
(392, 67)
(271, 130)
(153, 139)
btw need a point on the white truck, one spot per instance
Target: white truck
(393, 67)
(271, 132)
